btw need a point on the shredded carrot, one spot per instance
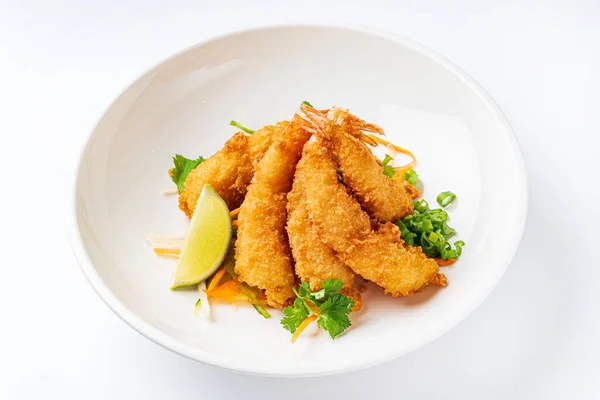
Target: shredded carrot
(159, 251)
(234, 223)
(303, 326)
(400, 171)
(412, 191)
(228, 292)
(216, 279)
(235, 212)
(392, 146)
(444, 263)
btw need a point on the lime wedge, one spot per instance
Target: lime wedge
(206, 242)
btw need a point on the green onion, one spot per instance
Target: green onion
(388, 170)
(444, 199)
(307, 103)
(459, 244)
(429, 229)
(411, 177)
(242, 127)
(262, 311)
(421, 205)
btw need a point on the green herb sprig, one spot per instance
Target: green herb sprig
(182, 167)
(328, 304)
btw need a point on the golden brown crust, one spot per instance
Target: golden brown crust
(381, 197)
(378, 256)
(315, 262)
(263, 256)
(231, 169)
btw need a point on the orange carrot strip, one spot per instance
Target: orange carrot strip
(216, 279)
(303, 326)
(235, 212)
(444, 263)
(392, 146)
(234, 223)
(228, 291)
(401, 171)
(413, 191)
(162, 252)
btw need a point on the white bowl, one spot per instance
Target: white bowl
(460, 137)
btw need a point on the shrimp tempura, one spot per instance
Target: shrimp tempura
(378, 256)
(231, 169)
(382, 198)
(263, 257)
(315, 262)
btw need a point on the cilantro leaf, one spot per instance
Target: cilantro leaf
(304, 290)
(333, 314)
(294, 316)
(328, 304)
(331, 285)
(388, 170)
(183, 166)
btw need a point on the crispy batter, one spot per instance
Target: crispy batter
(263, 256)
(231, 169)
(382, 198)
(315, 262)
(378, 256)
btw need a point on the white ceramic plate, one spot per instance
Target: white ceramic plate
(425, 103)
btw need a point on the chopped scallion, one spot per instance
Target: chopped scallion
(411, 176)
(444, 199)
(388, 170)
(242, 127)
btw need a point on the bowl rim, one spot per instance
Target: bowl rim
(166, 341)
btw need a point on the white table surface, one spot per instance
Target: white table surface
(536, 336)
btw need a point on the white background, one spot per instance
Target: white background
(536, 336)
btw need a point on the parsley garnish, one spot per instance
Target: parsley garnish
(328, 304)
(183, 166)
(388, 170)
(429, 229)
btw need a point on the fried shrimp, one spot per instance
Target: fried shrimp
(315, 262)
(231, 169)
(263, 256)
(376, 255)
(382, 198)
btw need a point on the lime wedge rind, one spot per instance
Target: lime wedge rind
(207, 240)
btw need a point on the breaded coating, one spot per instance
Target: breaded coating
(382, 198)
(399, 270)
(260, 141)
(231, 169)
(263, 256)
(378, 256)
(315, 262)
